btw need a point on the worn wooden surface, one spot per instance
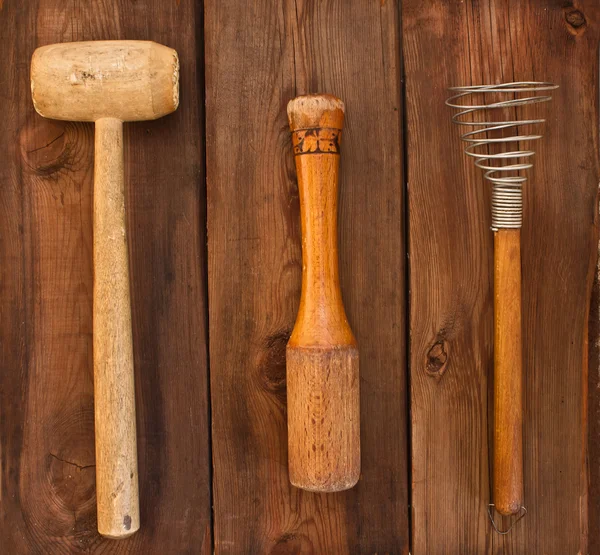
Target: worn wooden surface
(259, 55)
(322, 373)
(115, 437)
(447, 43)
(46, 424)
(592, 411)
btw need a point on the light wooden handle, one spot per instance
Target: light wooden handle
(114, 396)
(508, 373)
(322, 356)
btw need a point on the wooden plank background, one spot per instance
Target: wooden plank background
(46, 425)
(258, 57)
(215, 257)
(451, 261)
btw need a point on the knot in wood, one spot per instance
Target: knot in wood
(50, 147)
(575, 18)
(437, 359)
(292, 542)
(67, 491)
(272, 365)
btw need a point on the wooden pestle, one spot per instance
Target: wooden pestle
(322, 355)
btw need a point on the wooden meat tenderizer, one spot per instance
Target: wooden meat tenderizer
(109, 82)
(322, 355)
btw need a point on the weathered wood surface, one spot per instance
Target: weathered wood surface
(322, 373)
(46, 394)
(259, 55)
(592, 411)
(448, 43)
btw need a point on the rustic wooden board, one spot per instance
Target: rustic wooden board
(259, 56)
(46, 424)
(447, 43)
(593, 414)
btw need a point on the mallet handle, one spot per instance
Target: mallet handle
(508, 373)
(114, 396)
(322, 355)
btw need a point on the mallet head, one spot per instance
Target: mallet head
(122, 79)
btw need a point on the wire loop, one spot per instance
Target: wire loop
(502, 169)
(523, 512)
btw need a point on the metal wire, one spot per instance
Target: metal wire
(503, 169)
(522, 512)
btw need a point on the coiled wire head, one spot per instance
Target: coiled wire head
(489, 141)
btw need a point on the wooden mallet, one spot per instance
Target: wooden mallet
(109, 82)
(322, 356)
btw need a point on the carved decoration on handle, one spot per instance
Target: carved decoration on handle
(320, 140)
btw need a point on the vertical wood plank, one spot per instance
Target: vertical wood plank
(15, 291)
(447, 43)
(593, 416)
(259, 56)
(46, 440)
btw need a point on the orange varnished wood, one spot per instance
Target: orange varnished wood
(322, 355)
(508, 373)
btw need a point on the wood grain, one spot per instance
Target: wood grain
(592, 412)
(130, 80)
(109, 82)
(451, 260)
(322, 374)
(46, 425)
(259, 56)
(117, 492)
(508, 374)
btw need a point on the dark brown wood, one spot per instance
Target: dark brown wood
(451, 264)
(46, 426)
(259, 56)
(592, 411)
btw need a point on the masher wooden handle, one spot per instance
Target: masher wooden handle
(508, 373)
(322, 356)
(114, 396)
